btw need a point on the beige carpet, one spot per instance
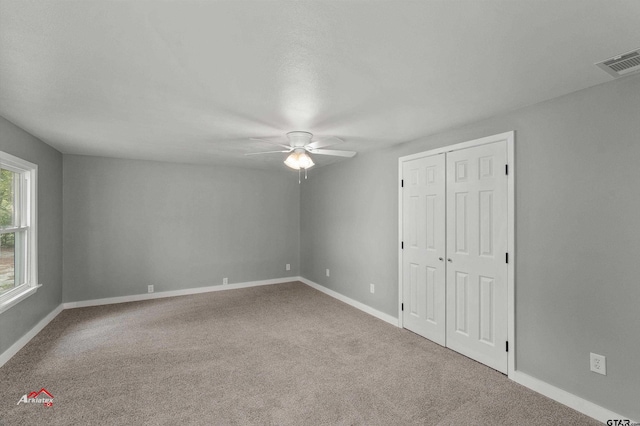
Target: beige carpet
(281, 354)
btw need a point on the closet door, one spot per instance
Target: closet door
(476, 251)
(423, 265)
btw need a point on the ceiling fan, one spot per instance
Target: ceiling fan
(300, 146)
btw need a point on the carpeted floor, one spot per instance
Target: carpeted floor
(281, 354)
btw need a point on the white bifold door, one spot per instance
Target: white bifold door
(454, 231)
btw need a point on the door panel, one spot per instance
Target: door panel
(477, 243)
(423, 234)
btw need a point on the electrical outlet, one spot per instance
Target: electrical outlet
(225, 281)
(288, 267)
(149, 289)
(328, 273)
(372, 288)
(598, 364)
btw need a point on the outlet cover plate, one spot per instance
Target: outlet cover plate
(372, 288)
(225, 281)
(598, 364)
(150, 289)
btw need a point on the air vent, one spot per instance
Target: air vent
(622, 65)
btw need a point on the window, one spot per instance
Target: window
(18, 239)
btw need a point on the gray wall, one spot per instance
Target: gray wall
(131, 223)
(22, 317)
(349, 225)
(577, 231)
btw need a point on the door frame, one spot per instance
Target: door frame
(509, 138)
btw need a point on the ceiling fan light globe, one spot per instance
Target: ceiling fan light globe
(305, 161)
(299, 159)
(292, 161)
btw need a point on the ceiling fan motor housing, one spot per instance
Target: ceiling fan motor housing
(299, 139)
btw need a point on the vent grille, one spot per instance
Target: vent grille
(622, 65)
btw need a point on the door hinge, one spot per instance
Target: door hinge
(402, 307)
(507, 346)
(506, 169)
(507, 257)
(402, 183)
(402, 245)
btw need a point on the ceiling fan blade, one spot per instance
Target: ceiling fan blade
(333, 152)
(270, 142)
(327, 141)
(265, 152)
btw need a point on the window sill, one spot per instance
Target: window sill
(5, 305)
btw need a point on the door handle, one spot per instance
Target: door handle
(441, 259)
(449, 260)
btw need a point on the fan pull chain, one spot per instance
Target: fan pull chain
(299, 177)
(305, 173)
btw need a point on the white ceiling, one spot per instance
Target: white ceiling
(191, 81)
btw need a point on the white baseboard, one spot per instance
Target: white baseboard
(570, 400)
(365, 308)
(13, 349)
(172, 293)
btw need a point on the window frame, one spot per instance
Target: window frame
(26, 221)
